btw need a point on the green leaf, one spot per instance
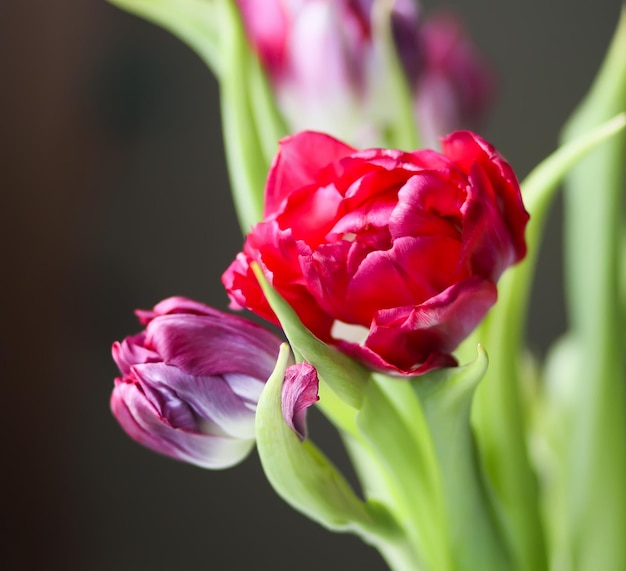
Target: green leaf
(392, 423)
(271, 125)
(345, 377)
(302, 476)
(446, 396)
(552, 425)
(247, 162)
(195, 22)
(497, 415)
(593, 227)
(297, 470)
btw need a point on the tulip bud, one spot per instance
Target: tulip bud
(190, 382)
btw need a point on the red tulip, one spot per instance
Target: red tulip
(390, 256)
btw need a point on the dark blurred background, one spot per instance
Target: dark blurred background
(115, 196)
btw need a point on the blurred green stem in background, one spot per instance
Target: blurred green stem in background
(595, 484)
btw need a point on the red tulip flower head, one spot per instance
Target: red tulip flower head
(391, 256)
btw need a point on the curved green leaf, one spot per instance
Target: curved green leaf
(446, 396)
(195, 22)
(345, 377)
(392, 423)
(297, 470)
(302, 476)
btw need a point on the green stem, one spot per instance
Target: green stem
(403, 132)
(400, 556)
(497, 415)
(593, 222)
(393, 426)
(500, 431)
(446, 396)
(247, 166)
(376, 482)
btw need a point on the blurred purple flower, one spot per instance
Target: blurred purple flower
(327, 70)
(455, 86)
(190, 382)
(324, 65)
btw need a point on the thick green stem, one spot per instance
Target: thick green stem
(596, 494)
(475, 537)
(376, 482)
(392, 423)
(247, 166)
(498, 417)
(403, 131)
(501, 436)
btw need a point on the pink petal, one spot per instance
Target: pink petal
(142, 423)
(378, 363)
(413, 270)
(132, 351)
(297, 164)
(278, 256)
(244, 290)
(175, 304)
(267, 26)
(299, 393)
(326, 276)
(488, 244)
(327, 54)
(185, 399)
(429, 204)
(408, 336)
(452, 56)
(480, 160)
(311, 213)
(201, 346)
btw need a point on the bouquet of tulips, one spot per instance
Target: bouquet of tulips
(394, 250)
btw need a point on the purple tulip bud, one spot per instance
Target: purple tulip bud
(190, 382)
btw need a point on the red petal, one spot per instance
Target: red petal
(297, 164)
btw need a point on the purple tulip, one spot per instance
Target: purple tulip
(324, 63)
(327, 68)
(190, 382)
